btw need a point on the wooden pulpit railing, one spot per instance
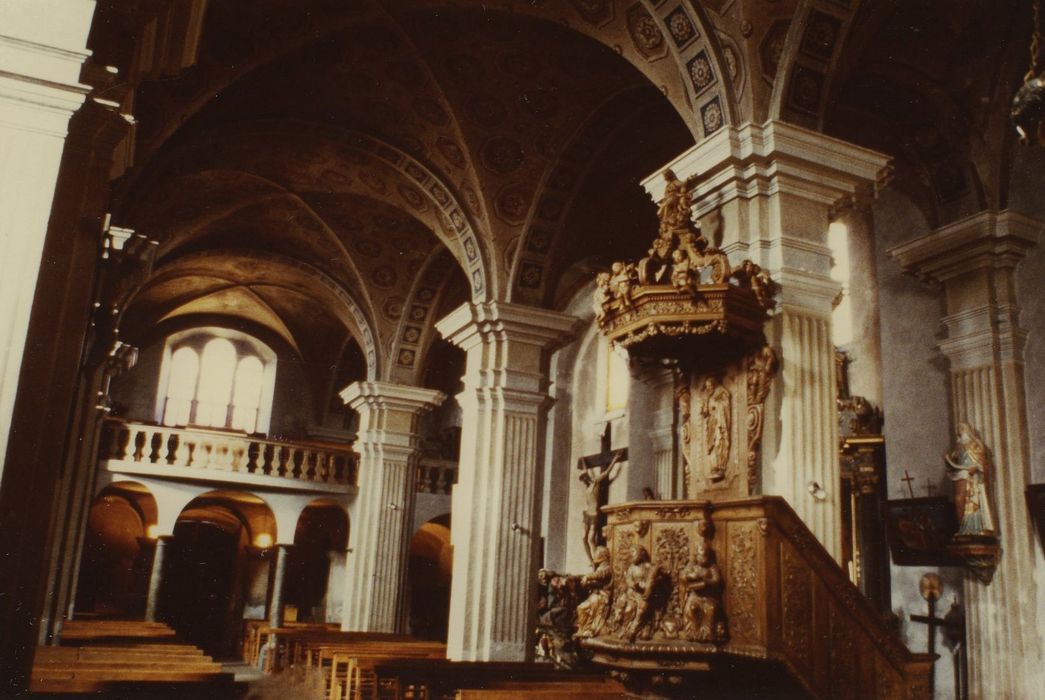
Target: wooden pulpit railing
(763, 597)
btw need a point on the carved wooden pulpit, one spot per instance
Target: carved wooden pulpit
(726, 592)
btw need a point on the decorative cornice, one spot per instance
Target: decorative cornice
(470, 324)
(988, 239)
(765, 159)
(389, 396)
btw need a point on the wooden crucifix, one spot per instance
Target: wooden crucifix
(931, 590)
(597, 471)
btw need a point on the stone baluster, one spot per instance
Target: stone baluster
(375, 598)
(975, 260)
(496, 532)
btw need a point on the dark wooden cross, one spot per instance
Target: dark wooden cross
(604, 460)
(907, 479)
(606, 457)
(931, 595)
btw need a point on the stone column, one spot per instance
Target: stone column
(276, 603)
(768, 192)
(42, 49)
(975, 260)
(152, 601)
(39, 91)
(496, 502)
(379, 542)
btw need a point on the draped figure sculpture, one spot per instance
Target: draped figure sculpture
(969, 467)
(592, 613)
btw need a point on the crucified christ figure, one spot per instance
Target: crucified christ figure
(592, 484)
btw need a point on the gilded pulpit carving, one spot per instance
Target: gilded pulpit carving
(716, 409)
(703, 585)
(592, 613)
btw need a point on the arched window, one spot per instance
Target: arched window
(842, 316)
(217, 378)
(617, 378)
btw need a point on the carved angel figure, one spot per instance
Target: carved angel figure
(716, 410)
(703, 582)
(621, 282)
(592, 613)
(602, 295)
(969, 466)
(683, 275)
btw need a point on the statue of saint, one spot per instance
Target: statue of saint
(674, 212)
(591, 501)
(716, 410)
(969, 466)
(703, 582)
(592, 613)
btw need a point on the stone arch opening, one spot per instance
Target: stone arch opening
(429, 579)
(316, 569)
(210, 567)
(117, 550)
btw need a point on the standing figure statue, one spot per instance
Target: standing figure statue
(969, 466)
(674, 211)
(702, 609)
(592, 613)
(716, 410)
(591, 501)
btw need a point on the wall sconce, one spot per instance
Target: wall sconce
(393, 506)
(817, 491)
(263, 541)
(152, 532)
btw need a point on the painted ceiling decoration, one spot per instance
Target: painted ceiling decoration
(406, 155)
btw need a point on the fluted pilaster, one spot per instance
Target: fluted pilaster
(379, 540)
(975, 261)
(496, 502)
(39, 91)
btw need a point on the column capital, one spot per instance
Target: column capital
(989, 239)
(470, 324)
(40, 62)
(775, 157)
(389, 396)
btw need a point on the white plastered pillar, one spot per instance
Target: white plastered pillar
(975, 261)
(496, 501)
(41, 52)
(767, 192)
(379, 540)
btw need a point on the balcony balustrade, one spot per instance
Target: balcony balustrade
(436, 475)
(218, 455)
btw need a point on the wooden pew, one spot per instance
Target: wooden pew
(351, 674)
(104, 631)
(426, 678)
(160, 668)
